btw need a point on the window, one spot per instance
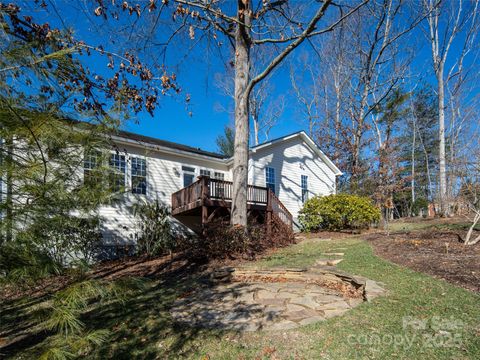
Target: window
(139, 176)
(91, 161)
(304, 182)
(270, 178)
(117, 175)
(217, 188)
(188, 175)
(204, 172)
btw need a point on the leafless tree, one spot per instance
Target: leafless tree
(446, 21)
(307, 89)
(265, 111)
(244, 39)
(248, 27)
(470, 193)
(364, 68)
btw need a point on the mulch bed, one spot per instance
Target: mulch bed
(434, 252)
(140, 266)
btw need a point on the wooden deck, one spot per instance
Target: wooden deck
(206, 195)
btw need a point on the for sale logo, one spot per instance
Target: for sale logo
(432, 332)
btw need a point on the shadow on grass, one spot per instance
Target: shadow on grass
(139, 327)
(143, 328)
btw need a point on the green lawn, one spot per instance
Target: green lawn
(141, 328)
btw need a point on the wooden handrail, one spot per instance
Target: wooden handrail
(187, 195)
(215, 189)
(278, 209)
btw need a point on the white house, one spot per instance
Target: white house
(293, 166)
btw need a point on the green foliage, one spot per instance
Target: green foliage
(226, 142)
(63, 315)
(155, 236)
(49, 212)
(338, 212)
(22, 264)
(65, 238)
(419, 205)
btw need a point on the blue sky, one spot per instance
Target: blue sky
(172, 120)
(196, 125)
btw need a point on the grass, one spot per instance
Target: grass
(142, 328)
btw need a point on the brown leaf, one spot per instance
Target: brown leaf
(152, 6)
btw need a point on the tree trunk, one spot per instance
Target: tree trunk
(337, 118)
(255, 129)
(240, 157)
(468, 240)
(413, 165)
(9, 192)
(442, 195)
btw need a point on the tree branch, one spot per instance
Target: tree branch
(313, 33)
(278, 59)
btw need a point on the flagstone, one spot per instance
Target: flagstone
(269, 305)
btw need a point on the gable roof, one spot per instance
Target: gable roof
(168, 144)
(192, 150)
(306, 139)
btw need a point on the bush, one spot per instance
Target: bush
(338, 212)
(221, 240)
(155, 236)
(420, 205)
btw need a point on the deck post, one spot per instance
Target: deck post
(204, 189)
(269, 215)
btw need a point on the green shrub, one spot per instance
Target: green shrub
(338, 212)
(155, 236)
(419, 205)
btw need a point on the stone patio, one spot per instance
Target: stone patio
(273, 299)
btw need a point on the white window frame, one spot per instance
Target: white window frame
(304, 187)
(205, 172)
(190, 170)
(132, 176)
(94, 154)
(219, 175)
(269, 184)
(118, 171)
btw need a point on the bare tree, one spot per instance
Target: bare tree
(365, 67)
(247, 27)
(446, 20)
(265, 114)
(264, 111)
(470, 193)
(244, 84)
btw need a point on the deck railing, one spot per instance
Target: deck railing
(206, 188)
(222, 190)
(187, 195)
(279, 210)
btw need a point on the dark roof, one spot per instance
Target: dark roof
(176, 146)
(277, 139)
(169, 144)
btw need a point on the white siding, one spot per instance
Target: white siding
(291, 159)
(164, 177)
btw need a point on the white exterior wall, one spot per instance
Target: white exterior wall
(291, 159)
(164, 177)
